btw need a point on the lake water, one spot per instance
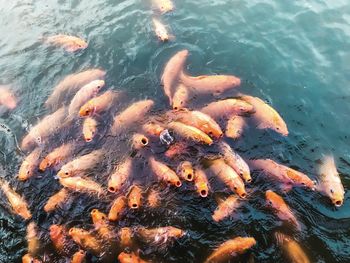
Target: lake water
(293, 54)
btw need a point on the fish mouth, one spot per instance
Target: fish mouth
(243, 195)
(88, 139)
(178, 183)
(338, 203)
(134, 206)
(189, 177)
(203, 193)
(112, 189)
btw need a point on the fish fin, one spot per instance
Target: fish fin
(286, 188)
(280, 238)
(172, 37)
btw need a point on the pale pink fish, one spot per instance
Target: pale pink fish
(80, 184)
(87, 92)
(265, 116)
(69, 43)
(235, 126)
(214, 84)
(171, 73)
(7, 97)
(161, 30)
(135, 113)
(120, 175)
(71, 84)
(163, 6)
(81, 164)
(329, 181)
(283, 174)
(224, 109)
(46, 127)
(181, 97)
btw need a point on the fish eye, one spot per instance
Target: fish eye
(303, 183)
(235, 188)
(87, 111)
(98, 87)
(66, 173)
(332, 191)
(28, 172)
(278, 128)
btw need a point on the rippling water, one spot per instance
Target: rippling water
(293, 54)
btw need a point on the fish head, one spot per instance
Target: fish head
(98, 85)
(64, 173)
(246, 176)
(79, 44)
(25, 171)
(336, 196)
(272, 199)
(98, 217)
(55, 231)
(87, 109)
(45, 163)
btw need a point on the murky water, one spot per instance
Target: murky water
(293, 54)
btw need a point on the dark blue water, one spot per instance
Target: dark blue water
(293, 54)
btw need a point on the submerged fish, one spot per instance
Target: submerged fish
(71, 84)
(56, 200)
(214, 84)
(89, 129)
(265, 116)
(230, 249)
(171, 73)
(130, 116)
(164, 173)
(119, 177)
(57, 156)
(225, 208)
(27, 258)
(60, 240)
(291, 249)
(78, 257)
(280, 208)
(117, 208)
(7, 97)
(287, 176)
(86, 240)
(130, 258)
(81, 164)
(153, 198)
(235, 127)
(160, 30)
(225, 109)
(18, 204)
(32, 239)
(160, 235)
(329, 181)
(69, 43)
(80, 184)
(43, 129)
(163, 6)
